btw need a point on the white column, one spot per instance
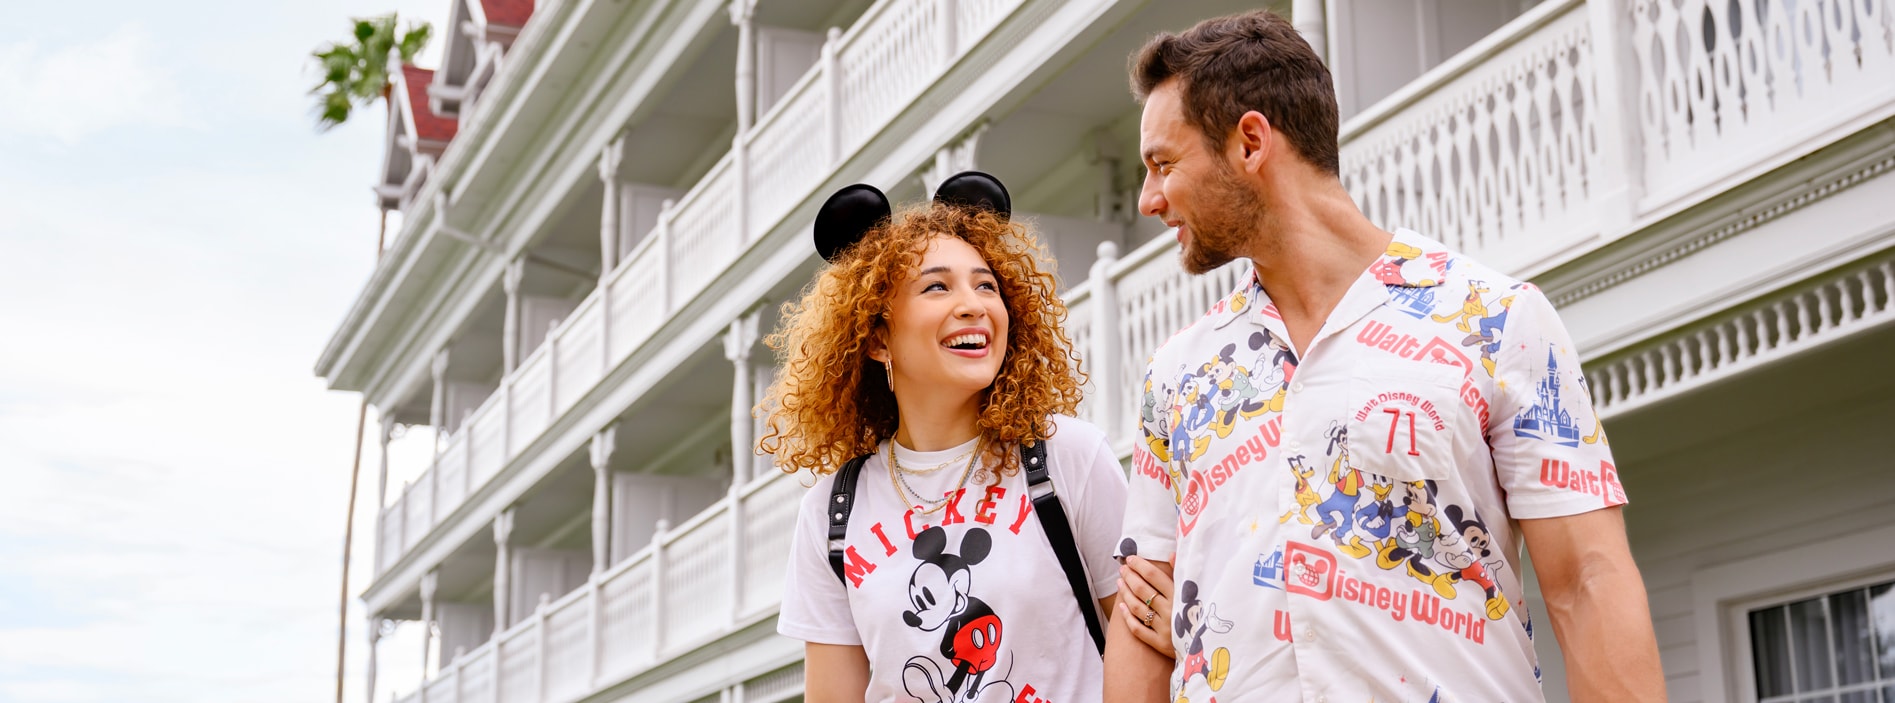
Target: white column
(437, 407)
(1307, 16)
(387, 433)
(954, 158)
(510, 336)
(381, 493)
(603, 445)
(1103, 358)
(738, 341)
(1619, 179)
(374, 636)
(611, 213)
(502, 588)
(741, 12)
(430, 584)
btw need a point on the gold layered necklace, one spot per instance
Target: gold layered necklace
(898, 480)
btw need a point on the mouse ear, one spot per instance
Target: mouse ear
(974, 189)
(848, 215)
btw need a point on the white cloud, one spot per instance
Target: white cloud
(72, 92)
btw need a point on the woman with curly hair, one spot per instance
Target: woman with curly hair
(920, 367)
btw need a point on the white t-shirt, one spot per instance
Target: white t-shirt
(967, 603)
(1343, 525)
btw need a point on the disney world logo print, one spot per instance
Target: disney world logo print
(941, 592)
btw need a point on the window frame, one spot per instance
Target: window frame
(1725, 594)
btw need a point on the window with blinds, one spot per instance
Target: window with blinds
(1837, 648)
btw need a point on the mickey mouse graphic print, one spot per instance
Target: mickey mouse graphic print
(1341, 525)
(963, 600)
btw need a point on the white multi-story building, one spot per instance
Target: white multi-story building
(605, 201)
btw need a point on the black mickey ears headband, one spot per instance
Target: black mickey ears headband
(856, 209)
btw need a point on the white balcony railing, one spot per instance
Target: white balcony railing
(866, 77)
(1510, 154)
(673, 596)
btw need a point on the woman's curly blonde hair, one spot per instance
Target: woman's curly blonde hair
(832, 402)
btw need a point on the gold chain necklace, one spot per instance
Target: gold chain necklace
(919, 472)
(897, 483)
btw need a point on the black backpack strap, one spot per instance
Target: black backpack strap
(841, 502)
(1039, 482)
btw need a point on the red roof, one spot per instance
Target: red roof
(428, 126)
(507, 13)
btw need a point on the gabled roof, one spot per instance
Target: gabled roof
(507, 13)
(432, 132)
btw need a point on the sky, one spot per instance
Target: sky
(177, 244)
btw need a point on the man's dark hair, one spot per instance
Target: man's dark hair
(1231, 65)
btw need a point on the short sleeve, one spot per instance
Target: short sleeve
(1093, 484)
(1549, 450)
(1151, 506)
(815, 606)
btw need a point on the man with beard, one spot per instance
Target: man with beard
(1239, 141)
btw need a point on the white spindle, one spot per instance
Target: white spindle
(832, 87)
(656, 616)
(1104, 366)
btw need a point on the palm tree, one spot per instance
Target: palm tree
(357, 72)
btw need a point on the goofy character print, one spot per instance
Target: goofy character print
(940, 590)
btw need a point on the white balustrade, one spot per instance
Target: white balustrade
(769, 518)
(568, 661)
(886, 59)
(519, 663)
(389, 547)
(703, 232)
(476, 674)
(441, 690)
(697, 576)
(528, 400)
(487, 432)
(637, 296)
(579, 363)
(669, 597)
(974, 19)
(1499, 161)
(1858, 298)
(1724, 85)
(786, 161)
(416, 503)
(627, 627)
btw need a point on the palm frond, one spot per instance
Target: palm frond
(358, 71)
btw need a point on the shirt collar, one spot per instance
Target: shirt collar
(1412, 261)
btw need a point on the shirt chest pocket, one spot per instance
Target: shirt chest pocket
(1404, 422)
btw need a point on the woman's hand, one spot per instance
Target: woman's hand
(1145, 600)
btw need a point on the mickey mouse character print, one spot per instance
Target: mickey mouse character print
(970, 631)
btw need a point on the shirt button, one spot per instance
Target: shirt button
(1296, 446)
(1296, 387)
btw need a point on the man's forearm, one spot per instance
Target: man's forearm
(1134, 672)
(1605, 633)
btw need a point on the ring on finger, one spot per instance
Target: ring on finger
(1150, 615)
(1148, 600)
